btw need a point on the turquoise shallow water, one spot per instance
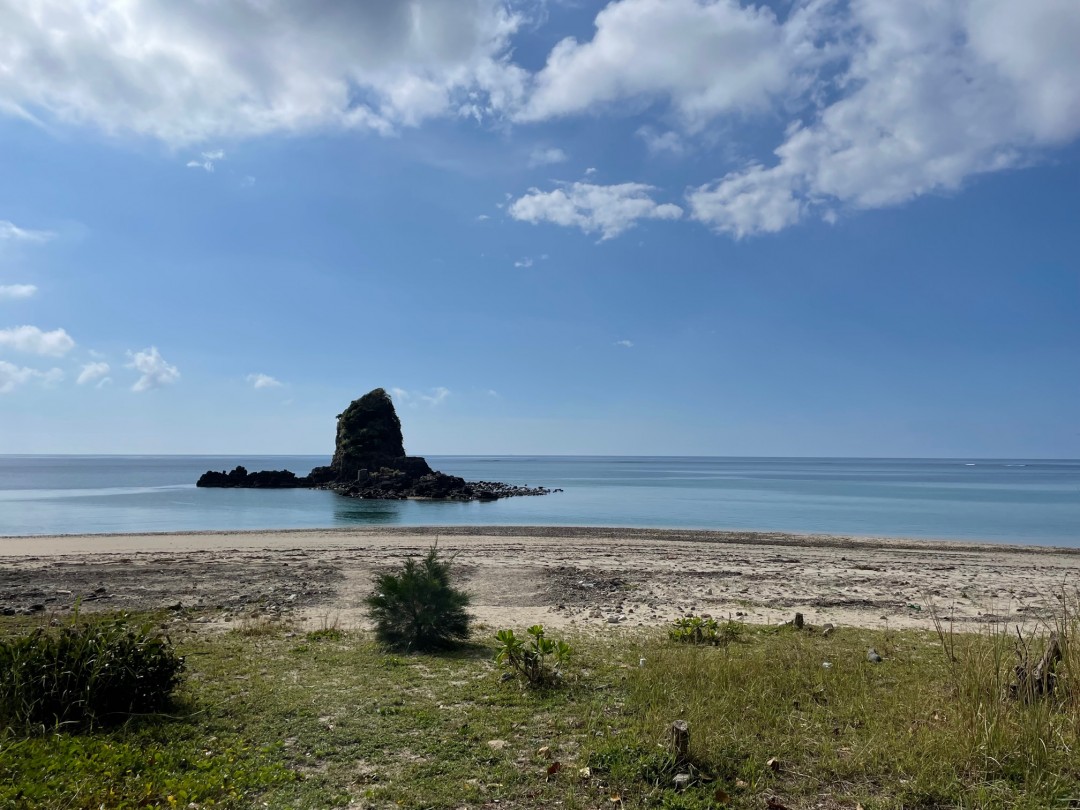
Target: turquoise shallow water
(1012, 500)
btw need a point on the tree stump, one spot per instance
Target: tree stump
(680, 740)
(1040, 680)
(799, 621)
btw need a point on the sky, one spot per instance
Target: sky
(656, 227)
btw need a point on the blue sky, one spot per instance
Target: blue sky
(641, 227)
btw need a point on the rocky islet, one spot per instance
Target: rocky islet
(370, 462)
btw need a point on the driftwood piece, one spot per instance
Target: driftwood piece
(680, 740)
(1038, 681)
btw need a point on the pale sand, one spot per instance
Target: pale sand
(551, 575)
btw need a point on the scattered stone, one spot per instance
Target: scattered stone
(827, 629)
(681, 781)
(497, 745)
(873, 657)
(799, 622)
(773, 764)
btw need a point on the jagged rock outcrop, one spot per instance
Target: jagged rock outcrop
(370, 462)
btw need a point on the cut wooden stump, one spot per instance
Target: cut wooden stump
(680, 740)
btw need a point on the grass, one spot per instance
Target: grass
(283, 719)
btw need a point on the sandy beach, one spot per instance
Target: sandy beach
(551, 575)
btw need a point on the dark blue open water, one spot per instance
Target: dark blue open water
(1014, 500)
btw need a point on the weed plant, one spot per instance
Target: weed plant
(85, 673)
(536, 659)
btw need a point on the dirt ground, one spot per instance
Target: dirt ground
(550, 575)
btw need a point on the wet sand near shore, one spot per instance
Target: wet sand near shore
(555, 576)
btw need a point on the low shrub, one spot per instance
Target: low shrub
(419, 608)
(537, 659)
(700, 630)
(86, 673)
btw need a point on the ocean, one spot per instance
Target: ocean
(1001, 500)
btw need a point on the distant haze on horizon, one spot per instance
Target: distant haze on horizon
(641, 227)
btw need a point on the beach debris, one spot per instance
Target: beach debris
(616, 619)
(826, 665)
(1040, 680)
(773, 764)
(680, 740)
(544, 751)
(585, 773)
(827, 629)
(681, 781)
(641, 663)
(554, 768)
(873, 657)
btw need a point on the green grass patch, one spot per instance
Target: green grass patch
(294, 720)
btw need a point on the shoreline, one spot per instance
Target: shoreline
(557, 576)
(13, 544)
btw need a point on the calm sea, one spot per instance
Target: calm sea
(1014, 500)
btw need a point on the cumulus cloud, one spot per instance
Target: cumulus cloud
(91, 372)
(702, 57)
(263, 381)
(929, 96)
(12, 376)
(13, 291)
(12, 232)
(607, 210)
(526, 262)
(547, 157)
(626, 344)
(154, 371)
(32, 340)
(187, 72)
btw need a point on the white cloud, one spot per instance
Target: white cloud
(263, 381)
(607, 210)
(547, 157)
(12, 232)
(930, 96)
(590, 171)
(207, 160)
(12, 376)
(153, 368)
(188, 72)
(436, 396)
(13, 291)
(32, 340)
(626, 344)
(703, 57)
(659, 142)
(491, 392)
(482, 218)
(91, 372)
(526, 262)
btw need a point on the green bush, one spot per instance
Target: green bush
(86, 673)
(699, 630)
(418, 608)
(537, 659)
